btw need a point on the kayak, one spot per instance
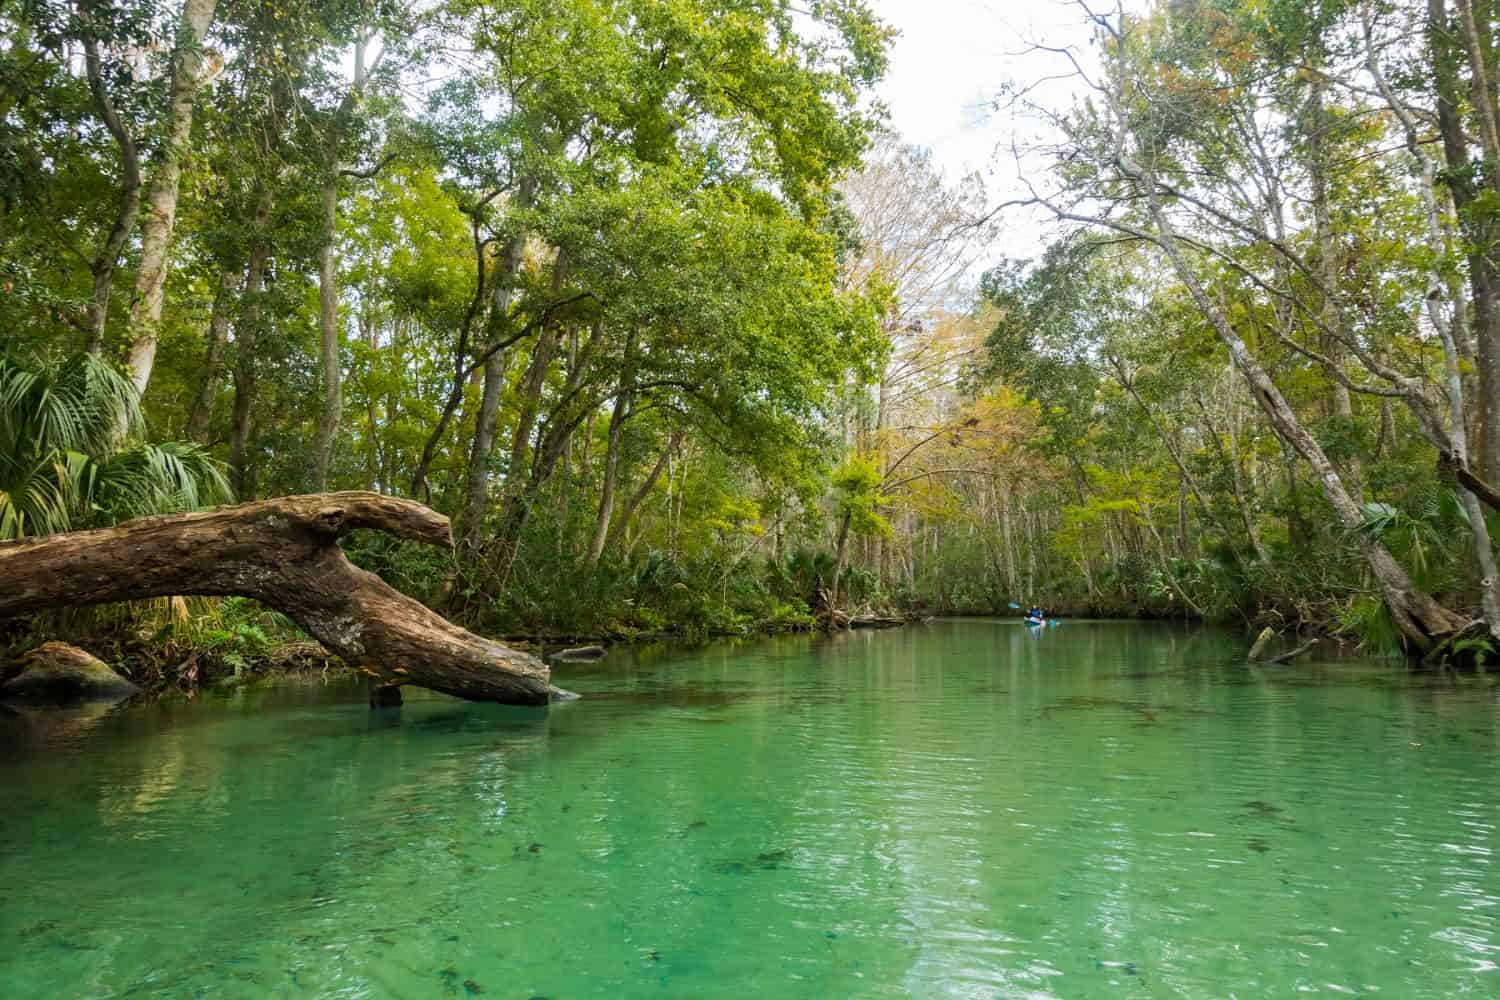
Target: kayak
(1035, 621)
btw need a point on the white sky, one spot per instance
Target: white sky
(947, 65)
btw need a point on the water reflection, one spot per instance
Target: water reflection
(956, 810)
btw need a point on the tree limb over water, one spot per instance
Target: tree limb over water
(285, 554)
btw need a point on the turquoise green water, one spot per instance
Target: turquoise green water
(956, 810)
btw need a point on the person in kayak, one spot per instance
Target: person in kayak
(1034, 614)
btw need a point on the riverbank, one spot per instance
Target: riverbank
(177, 645)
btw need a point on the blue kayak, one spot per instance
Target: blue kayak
(1035, 621)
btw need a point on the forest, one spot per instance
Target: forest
(648, 298)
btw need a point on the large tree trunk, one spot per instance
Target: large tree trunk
(161, 203)
(285, 554)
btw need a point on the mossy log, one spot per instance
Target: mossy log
(285, 554)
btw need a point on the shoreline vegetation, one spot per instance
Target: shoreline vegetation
(685, 340)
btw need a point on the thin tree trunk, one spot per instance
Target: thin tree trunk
(330, 338)
(372, 423)
(628, 512)
(1171, 446)
(600, 534)
(840, 556)
(1236, 481)
(514, 508)
(246, 332)
(476, 483)
(201, 415)
(108, 258)
(328, 328)
(1479, 226)
(1328, 271)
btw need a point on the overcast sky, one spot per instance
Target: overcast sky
(948, 62)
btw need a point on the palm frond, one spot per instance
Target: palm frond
(60, 467)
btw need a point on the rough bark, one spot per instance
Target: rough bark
(285, 554)
(161, 202)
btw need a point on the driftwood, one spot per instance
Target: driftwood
(285, 554)
(579, 654)
(1257, 652)
(876, 621)
(1293, 654)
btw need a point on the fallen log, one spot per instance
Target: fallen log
(579, 654)
(876, 621)
(285, 554)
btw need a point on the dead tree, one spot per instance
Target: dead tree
(285, 554)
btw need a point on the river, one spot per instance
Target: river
(962, 809)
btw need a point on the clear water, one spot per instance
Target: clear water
(958, 810)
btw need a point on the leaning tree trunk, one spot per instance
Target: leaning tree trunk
(1421, 620)
(285, 554)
